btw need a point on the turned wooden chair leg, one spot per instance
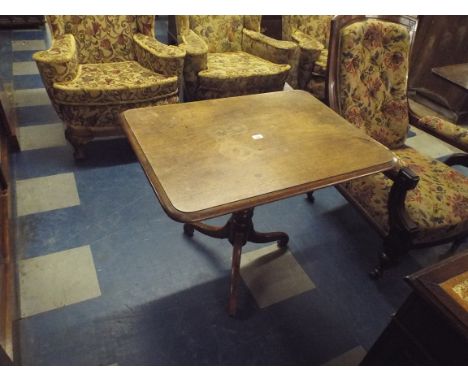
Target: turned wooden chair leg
(395, 247)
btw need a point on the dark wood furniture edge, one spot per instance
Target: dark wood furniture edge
(426, 281)
(10, 127)
(190, 217)
(8, 303)
(438, 71)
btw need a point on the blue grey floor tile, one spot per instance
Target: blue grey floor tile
(36, 115)
(28, 34)
(32, 81)
(22, 56)
(43, 162)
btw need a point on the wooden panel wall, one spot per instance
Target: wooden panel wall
(440, 41)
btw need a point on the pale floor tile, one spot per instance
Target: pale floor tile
(429, 145)
(22, 45)
(41, 136)
(46, 193)
(350, 358)
(31, 97)
(56, 280)
(24, 68)
(273, 275)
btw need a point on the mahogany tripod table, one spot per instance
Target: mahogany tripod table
(209, 158)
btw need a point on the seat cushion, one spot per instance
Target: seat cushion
(240, 72)
(438, 205)
(114, 83)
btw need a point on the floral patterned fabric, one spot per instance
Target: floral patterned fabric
(454, 134)
(312, 34)
(372, 79)
(59, 63)
(277, 51)
(99, 66)
(317, 27)
(220, 33)
(438, 205)
(158, 57)
(114, 83)
(102, 38)
(103, 120)
(238, 73)
(213, 43)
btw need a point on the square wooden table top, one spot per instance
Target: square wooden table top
(209, 158)
(458, 74)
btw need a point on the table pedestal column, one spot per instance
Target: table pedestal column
(238, 230)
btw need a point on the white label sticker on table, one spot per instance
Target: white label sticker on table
(257, 136)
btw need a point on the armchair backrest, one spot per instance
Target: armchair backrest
(102, 38)
(315, 26)
(368, 69)
(221, 33)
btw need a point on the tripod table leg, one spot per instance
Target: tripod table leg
(236, 257)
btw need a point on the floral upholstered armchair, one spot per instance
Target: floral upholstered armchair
(312, 34)
(423, 202)
(99, 66)
(228, 56)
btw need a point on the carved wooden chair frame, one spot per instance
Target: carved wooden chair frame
(400, 238)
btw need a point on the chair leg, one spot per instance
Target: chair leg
(310, 196)
(395, 247)
(78, 142)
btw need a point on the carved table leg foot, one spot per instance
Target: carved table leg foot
(238, 230)
(188, 229)
(208, 230)
(280, 237)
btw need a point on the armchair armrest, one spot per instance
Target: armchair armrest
(159, 57)
(451, 133)
(277, 51)
(59, 63)
(196, 49)
(310, 47)
(404, 179)
(196, 60)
